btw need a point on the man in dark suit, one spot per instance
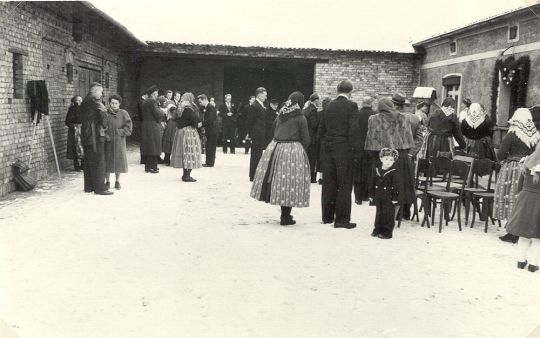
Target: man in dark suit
(312, 116)
(361, 158)
(241, 123)
(335, 132)
(210, 126)
(256, 126)
(227, 112)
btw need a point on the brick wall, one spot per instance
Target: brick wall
(43, 32)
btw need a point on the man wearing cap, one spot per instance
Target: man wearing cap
(151, 131)
(311, 114)
(210, 126)
(361, 159)
(335, 134)
(227, 112)
(93, 114)
(271, 114)
(256, 126)
(418, 132)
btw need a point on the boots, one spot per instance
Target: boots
(286, 218)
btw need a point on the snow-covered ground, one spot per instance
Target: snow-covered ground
(162, 258)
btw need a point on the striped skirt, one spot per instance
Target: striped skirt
(283, 175)
(186, 149)
(506, 190)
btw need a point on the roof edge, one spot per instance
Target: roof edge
(476, 24)
(118, 25)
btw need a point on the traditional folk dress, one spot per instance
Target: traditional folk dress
(186, 148)
(118, 126)
(283, 174)
(477, 128)
(520, 141)
(442, 129)
(525, 220)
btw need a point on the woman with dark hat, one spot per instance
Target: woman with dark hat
(477, 128)
(186, 148)
(391, 129)
(73, 122)
(283, 175)
(525, 220)
(442, 129)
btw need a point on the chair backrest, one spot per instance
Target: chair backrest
(422, 168)
(440, 165)
(484, 168)
(461, 170)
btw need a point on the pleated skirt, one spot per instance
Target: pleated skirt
(186, 149)
(436, 143)
(506, 190)
(283, 176)
(483, 148)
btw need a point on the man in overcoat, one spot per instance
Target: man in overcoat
(210, 126)
(151, 131)
(312, 116)
(93, 113)
(335, 132)
(228, 114)
(256, 125)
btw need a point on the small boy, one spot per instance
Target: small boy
(383, 193)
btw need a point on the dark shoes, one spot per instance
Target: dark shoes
(106, 192)
(521, 265)
(533, 268)
(251, 179)
(345, 225)
(320, 181)
(359, 202)
(117, 185)
(374, 234)
(207, 165)
(188, 179)
(152, 171)
(108, 185)
(287, 220)
(509, 238)
(384, 236)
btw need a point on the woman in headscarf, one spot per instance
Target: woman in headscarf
(442, 129)
(392, 129)
(73, 122)
(525, 220)
(170, 129)
(520, 141)
(283, 175)
(477, 128)
(186, 148)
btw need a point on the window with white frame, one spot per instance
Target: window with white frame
(453, 47)
(452, 88)
(513, 32)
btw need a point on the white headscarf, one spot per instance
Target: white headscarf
(523, 126)
(475, 115)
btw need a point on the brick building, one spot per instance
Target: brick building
(476, 62)
(64, 44)
(217, 69)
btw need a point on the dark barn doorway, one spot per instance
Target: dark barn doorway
(279, 79)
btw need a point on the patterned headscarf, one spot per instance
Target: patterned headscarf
(447, 106)
(190, 99)
(293, 106)
(523, 126)
(476, 115)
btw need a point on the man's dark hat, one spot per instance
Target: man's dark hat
(151, 89)
(399, 99)
(314, 97)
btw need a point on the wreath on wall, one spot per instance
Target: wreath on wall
(514, 74)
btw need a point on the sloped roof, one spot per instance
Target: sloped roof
(534, 8)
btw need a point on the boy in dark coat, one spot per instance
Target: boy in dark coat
(384, 193)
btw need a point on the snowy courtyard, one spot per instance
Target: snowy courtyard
(163, 258)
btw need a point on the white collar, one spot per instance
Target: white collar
(344, 95)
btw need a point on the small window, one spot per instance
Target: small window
(107, 80)
(69, 72)
(513, 33)
(453, 48)
(18, 83)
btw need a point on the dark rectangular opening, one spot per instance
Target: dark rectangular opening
(18, 82)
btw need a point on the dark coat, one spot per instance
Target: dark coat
(312, 117)
(73, 119)
(227, 121)
(256, 122)
(151, 128)
(385, 184)
(293, 128)
(360, 128)
(93, 113)
(189, 118)
(210, 123)
(512, 147)
(336, 125)
(270, 124)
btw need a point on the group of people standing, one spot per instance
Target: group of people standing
(96, 139)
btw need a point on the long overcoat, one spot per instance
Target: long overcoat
(119, 126)
(151, 128)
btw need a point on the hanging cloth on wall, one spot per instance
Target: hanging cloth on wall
(39, 99)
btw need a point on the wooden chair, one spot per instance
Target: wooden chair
(483, 169)
(485, 198)
(422, 173)
(454, 168)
